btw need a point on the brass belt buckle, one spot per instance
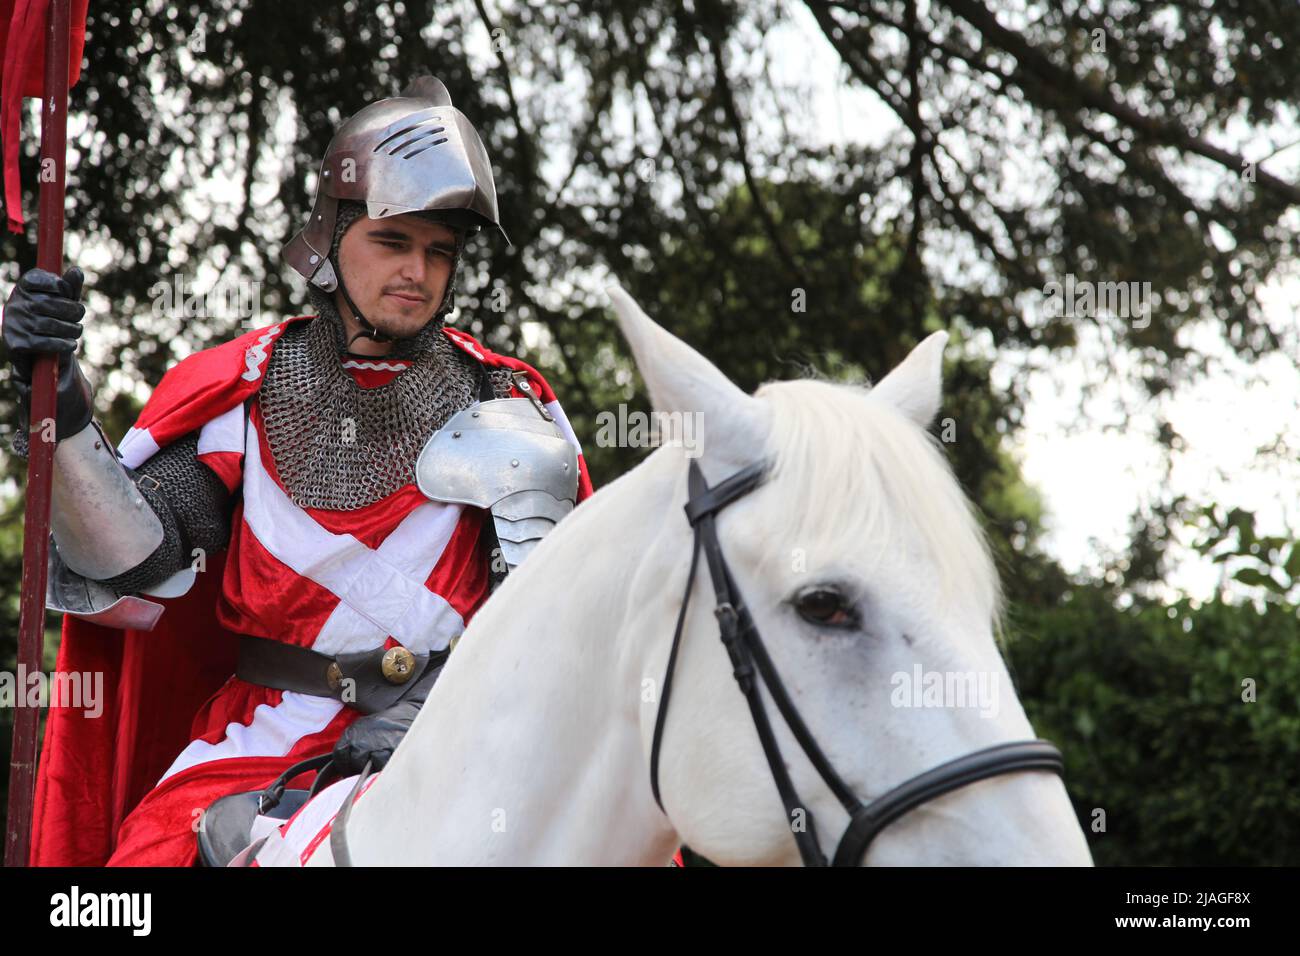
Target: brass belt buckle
(398, 665)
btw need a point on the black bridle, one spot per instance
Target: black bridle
(749, 659)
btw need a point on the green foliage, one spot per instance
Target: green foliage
(1267, 564)
(1147, 706)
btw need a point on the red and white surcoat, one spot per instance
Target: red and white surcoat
(402, 570)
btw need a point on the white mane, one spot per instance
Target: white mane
(890, 482)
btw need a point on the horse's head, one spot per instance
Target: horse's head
(871, 585)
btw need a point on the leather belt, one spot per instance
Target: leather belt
(369, 681)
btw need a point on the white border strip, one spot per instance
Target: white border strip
(562, 420)
(136, 447)
(223, 433)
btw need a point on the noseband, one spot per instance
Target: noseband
(749, 659)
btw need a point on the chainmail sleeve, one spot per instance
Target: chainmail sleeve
(500, 381)
(193, 505)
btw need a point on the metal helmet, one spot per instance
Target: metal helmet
(409, 153)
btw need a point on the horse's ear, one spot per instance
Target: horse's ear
(915, 387)
(681, 380)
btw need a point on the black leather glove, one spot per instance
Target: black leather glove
(44, 314)
(374, 737)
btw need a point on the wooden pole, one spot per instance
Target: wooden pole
(40, 460)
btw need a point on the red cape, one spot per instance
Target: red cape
(95, 769)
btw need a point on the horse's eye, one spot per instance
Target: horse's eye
(823, 605)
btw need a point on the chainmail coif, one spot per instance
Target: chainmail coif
(339, 446)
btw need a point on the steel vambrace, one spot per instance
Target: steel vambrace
(100, 521)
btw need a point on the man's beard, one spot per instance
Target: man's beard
(395, 320)
(409, 346)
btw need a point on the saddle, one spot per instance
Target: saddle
(227, 826)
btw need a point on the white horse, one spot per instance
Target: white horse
(864, 571)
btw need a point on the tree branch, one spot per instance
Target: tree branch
(715, 44)
(524, 152)
(1036, 63)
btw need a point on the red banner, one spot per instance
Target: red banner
(22, 41)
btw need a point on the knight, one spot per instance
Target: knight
(273, 564)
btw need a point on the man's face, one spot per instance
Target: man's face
(396, 270)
